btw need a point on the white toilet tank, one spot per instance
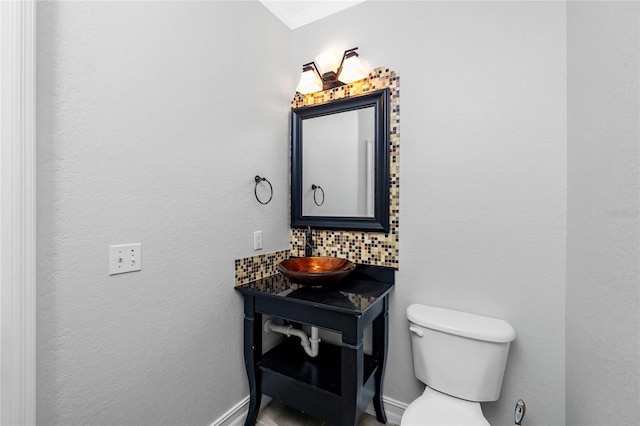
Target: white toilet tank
(457, 353)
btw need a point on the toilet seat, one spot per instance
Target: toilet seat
(437, 409)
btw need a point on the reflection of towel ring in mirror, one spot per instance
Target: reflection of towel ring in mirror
(315, 188)
(255, 190)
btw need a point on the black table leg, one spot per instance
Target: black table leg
(252, 356)
(352, 373)
(380, 329)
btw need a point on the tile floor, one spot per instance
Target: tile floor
(277, 414)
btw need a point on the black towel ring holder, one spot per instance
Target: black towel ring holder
(255, 190)
(315, 188)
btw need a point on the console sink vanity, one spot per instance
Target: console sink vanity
(360, 217)
(341, 381)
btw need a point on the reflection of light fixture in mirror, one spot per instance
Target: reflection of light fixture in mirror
(333, 75)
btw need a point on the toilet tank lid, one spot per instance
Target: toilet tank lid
(461, 323)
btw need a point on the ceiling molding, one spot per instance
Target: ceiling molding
(298, 13)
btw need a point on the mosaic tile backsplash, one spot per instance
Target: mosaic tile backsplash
(370, 248)
(257, 267)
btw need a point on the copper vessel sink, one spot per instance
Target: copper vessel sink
(316, 271)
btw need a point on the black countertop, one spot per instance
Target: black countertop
(353, 294)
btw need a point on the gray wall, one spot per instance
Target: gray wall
(482, 172)
(153, 119)
(603, 306)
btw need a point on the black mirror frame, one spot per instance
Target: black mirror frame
(380, 221)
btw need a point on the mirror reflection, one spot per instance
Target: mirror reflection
(338, 164)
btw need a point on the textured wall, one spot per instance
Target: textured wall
(153, 119)
(482, 171)
(603, 295)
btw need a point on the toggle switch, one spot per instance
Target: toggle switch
(125, 258)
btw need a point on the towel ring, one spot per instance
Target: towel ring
(315, 188)
(255, 190)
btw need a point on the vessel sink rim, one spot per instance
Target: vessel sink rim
(347, 266)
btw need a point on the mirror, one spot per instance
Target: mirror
(340, 164)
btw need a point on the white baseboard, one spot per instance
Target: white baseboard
(237, 414)
(392, 407)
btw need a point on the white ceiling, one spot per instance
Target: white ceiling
(296, 13)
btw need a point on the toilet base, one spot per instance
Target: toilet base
(434, 408)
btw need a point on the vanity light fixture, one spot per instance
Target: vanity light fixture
(348, 71)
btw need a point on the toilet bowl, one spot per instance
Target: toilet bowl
(461, 358)
(437, 409)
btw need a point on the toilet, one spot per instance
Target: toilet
(461, 358)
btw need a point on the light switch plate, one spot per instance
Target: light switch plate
(125, 258)
(257, 240)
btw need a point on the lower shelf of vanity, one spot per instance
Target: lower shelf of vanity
(312, 385)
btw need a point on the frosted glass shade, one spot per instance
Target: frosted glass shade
(328, 61)
(309, 82)
(351, 70)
